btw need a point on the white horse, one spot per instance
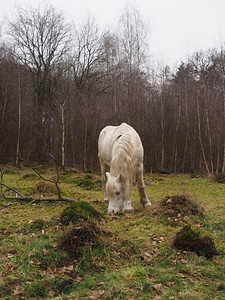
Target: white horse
(120, 152)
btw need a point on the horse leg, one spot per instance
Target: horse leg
(127, 209)
(141, 188)
(103, 171)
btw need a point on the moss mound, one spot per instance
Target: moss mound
(79, 211)
(189, 240)
(175, 209)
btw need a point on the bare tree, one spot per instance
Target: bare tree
(41, 38)
(89, 71)
(133, 36)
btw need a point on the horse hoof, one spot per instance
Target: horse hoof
(147, 204)
(148, 207)
(128, 211)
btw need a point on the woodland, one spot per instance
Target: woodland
(61, 82)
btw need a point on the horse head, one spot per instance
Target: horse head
(114, 193)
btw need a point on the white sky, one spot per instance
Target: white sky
(178, 28)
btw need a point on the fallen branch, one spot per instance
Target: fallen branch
(55, 182)
(21, 197)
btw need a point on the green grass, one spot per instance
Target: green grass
(119, 257)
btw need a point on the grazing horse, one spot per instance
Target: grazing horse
(120, 152)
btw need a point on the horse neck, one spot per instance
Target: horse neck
(123, 164)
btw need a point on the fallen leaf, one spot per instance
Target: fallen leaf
(157, 286)
(157, 297)
(96, 295)
(17, 291)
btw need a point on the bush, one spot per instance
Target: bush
(220, 178)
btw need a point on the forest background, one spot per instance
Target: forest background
(61, 83)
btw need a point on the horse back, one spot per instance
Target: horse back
(110, 137)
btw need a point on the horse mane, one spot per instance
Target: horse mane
(124, 161)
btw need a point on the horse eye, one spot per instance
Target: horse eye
(117, 192)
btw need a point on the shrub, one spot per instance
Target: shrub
(220, 178)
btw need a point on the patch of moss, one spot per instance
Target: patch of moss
(189, 240)
(79, 211)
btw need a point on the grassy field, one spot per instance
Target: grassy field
(97, 256)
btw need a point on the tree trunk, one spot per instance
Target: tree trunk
(19, 121)
(62, 107)
(200, 138)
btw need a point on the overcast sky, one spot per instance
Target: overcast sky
(178, 28)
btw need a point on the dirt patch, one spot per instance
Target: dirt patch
(189, 240)
(92, 247)
(176, 209)
(86, 235)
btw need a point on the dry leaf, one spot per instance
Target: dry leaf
(157, 297)
(157, 286)
(97, 295)
(17, 291)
